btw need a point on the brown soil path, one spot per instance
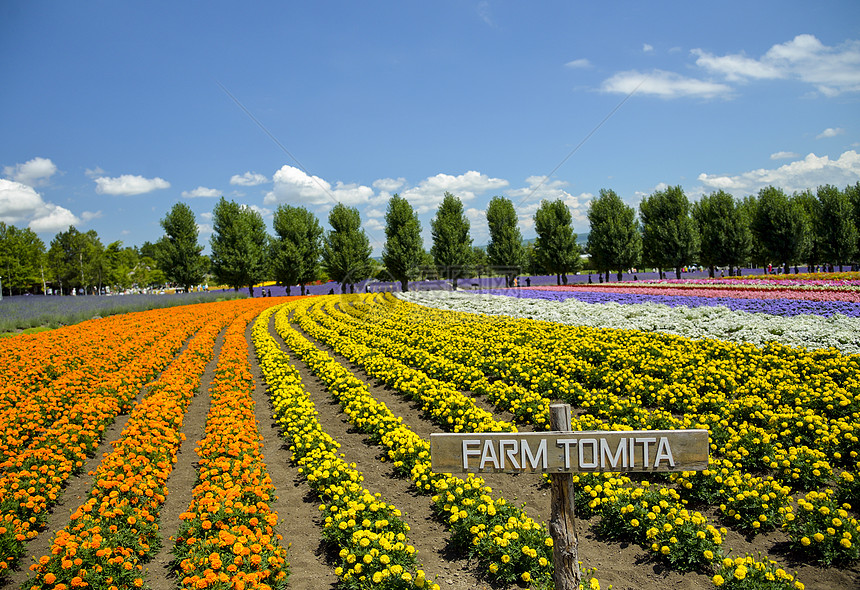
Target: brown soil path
(180, 485)
(298, 516)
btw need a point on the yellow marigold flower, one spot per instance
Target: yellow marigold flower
(718, 580)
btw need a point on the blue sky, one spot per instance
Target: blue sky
(112, 112)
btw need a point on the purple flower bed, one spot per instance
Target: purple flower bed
(782, 307)
(28, 311)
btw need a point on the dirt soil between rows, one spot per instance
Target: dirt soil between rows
(622, 565)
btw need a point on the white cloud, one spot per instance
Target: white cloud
(294, 186)
(784, 155)
(483, 10)
(479, 230)
(578, 63)
(129, 184)
(20, 204)
(429, 193)
(528, 199)
(373, 225)
(796, 176)
(389, 185)
(201, 191)
(736, 67)
(248, 179)
(204, 228)
(830, 132)
(374, 212)
(832, 70)
(90, 215)
(262, 211)
(663, 84)
(646, 48)
(95, 172)
(33, 172)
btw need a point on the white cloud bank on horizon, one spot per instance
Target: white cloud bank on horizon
(129, 184)
(797, 176)
(830, 70)
(295, 187)
(33, 172)
(21, 204)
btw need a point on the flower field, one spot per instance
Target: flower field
(99, 424)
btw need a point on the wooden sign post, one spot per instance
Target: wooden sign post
(562, 452)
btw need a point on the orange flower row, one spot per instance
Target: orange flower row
(228, 531)
(116, 528)
(33, 478)
(70, 363)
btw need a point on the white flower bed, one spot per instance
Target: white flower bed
(809, 331)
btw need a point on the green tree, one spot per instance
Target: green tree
(297, 246)
(614, 241)
(809, 205)
(22, 256)
(403, 251)
(834, 226)
(148, 250)
(669, 236)
(70, 259)
(146, 275)
(853, 194)
(452, 245)
(780, 226)
(757, 256)
(346, 249)
(723, 231)
(239, 245)
(479, 261)
(556, 250)
(120, 263)
(179, 254)
(95, 266)
(505, 250)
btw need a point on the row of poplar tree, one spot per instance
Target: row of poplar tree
(669, 232)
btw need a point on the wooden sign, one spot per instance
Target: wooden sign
(570, 452)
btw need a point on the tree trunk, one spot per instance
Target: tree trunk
(711, 271)
(404, 285)
(343, 288)
(251, 290)
(620, 275)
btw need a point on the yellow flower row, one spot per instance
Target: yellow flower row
(443, 403)
(678, 552)
(466, 505)
(369, 532)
